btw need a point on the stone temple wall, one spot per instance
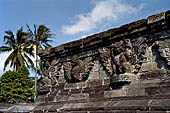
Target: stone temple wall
(121, 70)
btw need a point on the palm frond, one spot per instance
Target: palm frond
(47, 45)
(13, 59)
(29, 30)
(29, 50)
(8, 60)
(19, 35)
(35, 30)
(29, 60)
(5, 49)
(10, 33)
(20, 58)
(9, 39)
(42, 29)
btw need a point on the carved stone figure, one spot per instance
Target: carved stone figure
(125, 68)
(77, 70)
(106, 59)
(132, 49)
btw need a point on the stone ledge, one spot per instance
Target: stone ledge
(127, 29)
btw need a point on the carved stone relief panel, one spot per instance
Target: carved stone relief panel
(125, 56)
(97, 72)
(77, 70)
(106, 59)
(119, 58)
(54, 74)
(133, 56)
(162, 51)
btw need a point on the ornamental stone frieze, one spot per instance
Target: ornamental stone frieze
(131, 49)
(121, 70)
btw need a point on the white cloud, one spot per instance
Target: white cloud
(108, 11)
(3, 57)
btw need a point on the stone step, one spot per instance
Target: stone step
(140, 104)
(136, 89)
(85, 99)
(117, 111)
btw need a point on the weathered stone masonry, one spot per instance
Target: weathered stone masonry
(128, 49)
(122, 70)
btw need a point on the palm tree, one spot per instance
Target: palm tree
(41, 36)
(19, 48)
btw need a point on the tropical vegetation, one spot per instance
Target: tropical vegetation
(19, 48)
(40, 38)
(16, 86)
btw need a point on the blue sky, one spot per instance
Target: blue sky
(73, 19)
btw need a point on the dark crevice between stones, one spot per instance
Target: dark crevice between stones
(118, 85)
(161, 61)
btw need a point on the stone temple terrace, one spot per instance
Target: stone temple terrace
(121, 70)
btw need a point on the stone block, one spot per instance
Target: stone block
(42, 108)
(99, 94)
(41, 98)
(160, 102)
(51, 97)
(82, 85)
(71, 86)
(75, 91)
(106, 81)
(152, 112)
(62, 98)
(55, 108)
(124, 111)
(94, 83)
(61, 80)
(131, 91)
(156, 18)
(127, 77)
(79, 96)
(21, 108)
(114, 93)
(149, 66)
(154, 76)
(94, 73)
(137, 24)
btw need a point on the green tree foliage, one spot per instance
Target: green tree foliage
(16, 86)
(19, 48)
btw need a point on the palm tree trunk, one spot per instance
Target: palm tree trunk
(36, 66)
(35, 90)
